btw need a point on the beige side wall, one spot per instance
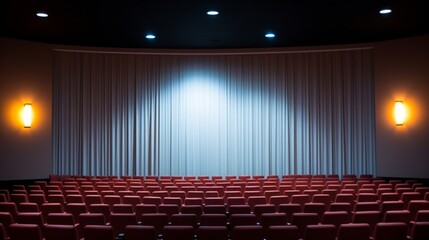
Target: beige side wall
(402, 73)
(25, 76)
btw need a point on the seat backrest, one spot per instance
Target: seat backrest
(18, 198)
(112, 199)
(367, 197)
(318, 208)
(28, 207)
(239, 209)
(168, 209)
(30, 218)
(273, 219)
(416, 205)
(214, 201)
(397, 216)
(213, 219)
(252, 201)
(76, 209)
(184, 220)
(173, 200)
(195, 209)
(145, 208)
(301, 199)
(93, 199)
(37, 198)
(74, 198)
(247, 233)
(19, 231)
(60, 218)
(242, 219)
(302, 220)
(277, 200)
(345, 197)
(406, 197)
(178, 233)
(258, 210)
(212, 233)
(366, 206)
(340, 206)
(289, 232)
(101, 208)
(336, 218)
(391, 205)
(322, 198)
(91, 219)
(370, 217)
(420, 231)
(157, 220)
(390, 231)
(422, 216)
(122, 208)
(290, 209)
(64, 232)
(138, 232)
(354, 231)
(389, 196)
(194, 201)
(9, 207)
(119, 220)
(320, 231)
(97, 232)
(235, 200)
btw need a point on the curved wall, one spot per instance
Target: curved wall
(401, 71)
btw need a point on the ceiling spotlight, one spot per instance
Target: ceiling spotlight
(270, 35)
(150, 36)
(42, 14)
(212, 13)
(385, 11)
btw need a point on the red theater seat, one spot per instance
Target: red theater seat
(178, 233)
(120, 220)
(97, 232)
(157, 220)
(322, 231)
(390, 231)
(247, 233)
(138, 232)
(25, 232)
(354, 231)
(212, 233)
(63, 232)
(290, 232)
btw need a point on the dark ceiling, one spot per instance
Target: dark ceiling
(185, 24)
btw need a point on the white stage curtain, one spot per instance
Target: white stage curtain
(232, 114)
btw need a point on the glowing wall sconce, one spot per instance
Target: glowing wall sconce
(399, 113)
(27, 115)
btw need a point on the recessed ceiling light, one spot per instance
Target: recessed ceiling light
(270, 35)
(150, 36)
(385, 11)
(212, 13)
(42, 14)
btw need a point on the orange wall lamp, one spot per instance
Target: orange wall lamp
(27, 115)
(400, 113)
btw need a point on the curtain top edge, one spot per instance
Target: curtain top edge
(209, 53)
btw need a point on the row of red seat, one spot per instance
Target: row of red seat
(304, 230)
(215, 177)
(343, 196)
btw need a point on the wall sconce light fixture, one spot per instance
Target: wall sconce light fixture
(27, 115)
(399, 113)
